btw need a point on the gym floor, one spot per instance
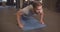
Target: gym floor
(8, 22)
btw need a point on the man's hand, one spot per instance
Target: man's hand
(42, 22)
(21, 25)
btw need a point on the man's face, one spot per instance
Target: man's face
(38, 8)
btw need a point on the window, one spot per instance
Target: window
(4, 0)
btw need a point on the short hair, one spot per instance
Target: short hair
(36, 3)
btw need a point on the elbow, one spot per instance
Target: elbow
(42, 14)
(17, 14)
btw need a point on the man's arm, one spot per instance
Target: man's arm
(18, 14)
(41, 16)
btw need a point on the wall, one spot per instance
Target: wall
(50, 4)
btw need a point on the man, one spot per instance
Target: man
(25, 19)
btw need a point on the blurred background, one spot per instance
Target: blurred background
(8, 9)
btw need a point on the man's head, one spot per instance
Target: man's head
(37, 6)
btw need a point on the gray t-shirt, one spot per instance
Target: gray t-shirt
(27, 10)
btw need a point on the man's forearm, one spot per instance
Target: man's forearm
(41, 18)
(18, 19)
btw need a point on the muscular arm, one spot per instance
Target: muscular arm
(41, 16)
(18, 14)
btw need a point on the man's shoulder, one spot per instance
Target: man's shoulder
(27, 8)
